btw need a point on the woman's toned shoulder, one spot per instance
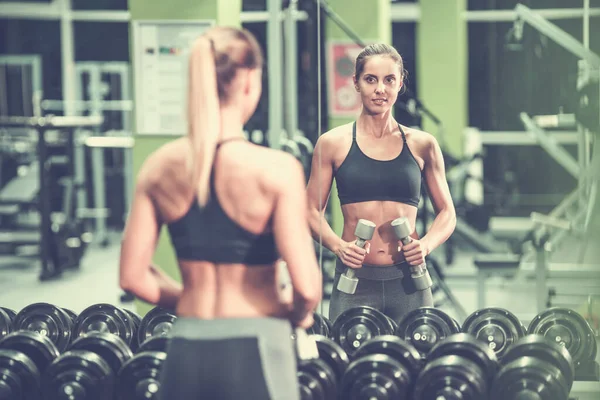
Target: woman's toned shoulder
(168, 161)
(421, 142)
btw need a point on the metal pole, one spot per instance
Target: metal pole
(68, 55)
(127, 153)
(291, 71)
(274, 61)
(586, 24)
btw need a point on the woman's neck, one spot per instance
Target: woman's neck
(376, 125)
(232, 125)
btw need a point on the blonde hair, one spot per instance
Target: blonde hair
(211, 71)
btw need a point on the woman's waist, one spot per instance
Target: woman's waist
(379, 272)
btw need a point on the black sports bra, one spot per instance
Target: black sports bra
(361, 178)
(208, 234)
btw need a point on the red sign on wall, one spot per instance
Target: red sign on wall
(343, 99)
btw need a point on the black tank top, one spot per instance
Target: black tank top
(361, 178)
(208, 234)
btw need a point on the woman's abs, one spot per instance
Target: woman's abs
(384, 243)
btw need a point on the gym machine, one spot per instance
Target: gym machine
(573, 215)
(62, 237)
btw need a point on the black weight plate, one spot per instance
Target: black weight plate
(329, 326)
(104, 318)
(376, 376)
(10, 312)
(319, 327)
(424, 327)
(40, 349)
(543, 349)
(157, 322)
(467, 346)
(80, 374)
(569, 329)
(355, 326)
(451, 377)
(19, 377)
(395, 347)
(71, 314)
(393, 324)
(155, 343)
(333, 355)
(47, 320)
(529, 378)
(317, 380)
(496, 327)
(5, 324)
(135, 318)
(110, 347)
(139, 377)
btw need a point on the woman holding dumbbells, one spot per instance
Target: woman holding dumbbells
(378, 166)
(231, 216)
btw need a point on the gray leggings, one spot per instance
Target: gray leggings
(390, 289)
(230, 359)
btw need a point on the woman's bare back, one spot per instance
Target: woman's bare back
(245, 185)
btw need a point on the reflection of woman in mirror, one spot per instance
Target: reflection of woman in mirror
(378, 166)
(230, 216)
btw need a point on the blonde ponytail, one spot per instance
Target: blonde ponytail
(203, 115)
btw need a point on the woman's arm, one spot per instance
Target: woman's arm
(318, 191)
(137, 275)
(434, 172)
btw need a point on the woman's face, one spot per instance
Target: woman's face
(379, 84)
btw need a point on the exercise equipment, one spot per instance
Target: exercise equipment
(157, 322)
(38, 348)
(451, 376)
(496, 327)
(138, 379)
(111, 348)
(19, 377)
(546, 350)
(570, 330)
(419, 273)
(364, 231)
(468, 347)
(61, 243)
(399, 350)
(47, 320)
(318, 378)
(155, 343)
(106, 318)
(5, 323)
(10, 312)
(320, 327)
(376, 376)
(355, 326)
(426, 326)
(78, 374)
(333, 355)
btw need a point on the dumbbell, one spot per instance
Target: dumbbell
(322, 326)
(460, 366)
(418, 273)
(157, 322)
(424, 327)
(47, 320)
(364, 231)
(5, 323)
(534, 367)
(138, 378)
(569, 329)
(356, 325)
(24, 357)
(383, 367)
(88, 369)
(319, 378)
(496, 327)
(106, 318)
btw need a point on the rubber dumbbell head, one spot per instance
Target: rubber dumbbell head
(364, 231)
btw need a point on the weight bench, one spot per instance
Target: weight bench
(505, 265)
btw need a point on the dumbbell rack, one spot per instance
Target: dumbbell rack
(50, 267)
